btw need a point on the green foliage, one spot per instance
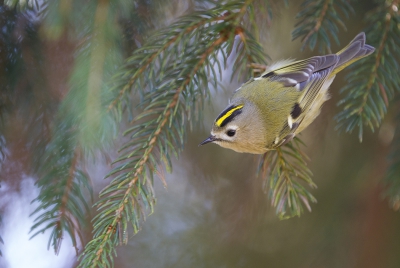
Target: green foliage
(64, 185)
(284, 170)
(170, 97)
(373, 82)
(25, 4)
(82, 127)
(319, 21)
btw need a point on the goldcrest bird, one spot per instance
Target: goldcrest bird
(269, 111)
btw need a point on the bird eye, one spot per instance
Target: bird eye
(231, 133)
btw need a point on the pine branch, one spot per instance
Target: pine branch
(80, 129)
(63, 186)
(150, 57)
(148, 61)
(318, 18)
(248, 50)
(174, 95)
(284, 170)
(24, 4)
(373, 82)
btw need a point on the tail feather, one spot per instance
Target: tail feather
(354, 51)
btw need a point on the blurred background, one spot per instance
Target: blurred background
(213, 211)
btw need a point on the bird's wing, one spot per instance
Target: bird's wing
(300, 71)
(307, 76)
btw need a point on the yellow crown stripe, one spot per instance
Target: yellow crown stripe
(228, 113)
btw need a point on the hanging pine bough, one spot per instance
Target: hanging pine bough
(368, 96)
(23, 4)
(317, 19)
(170, 97)
(80, 128)
(284, 170)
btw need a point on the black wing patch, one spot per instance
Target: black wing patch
(312, 86)
(296, 111)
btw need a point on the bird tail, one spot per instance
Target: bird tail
(354, 51)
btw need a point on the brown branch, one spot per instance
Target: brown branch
(319, 21)
(158, 52)
(239, 31)
(225, 16)
(384, 95)
(152, 143)
(94, 84)
(166, 114)
(374, 71)
(244, 7)
(66, 194)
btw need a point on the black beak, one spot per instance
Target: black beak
(208, 140)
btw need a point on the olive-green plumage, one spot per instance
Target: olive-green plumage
(268, 111)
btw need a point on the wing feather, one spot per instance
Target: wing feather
(308, 76)
(300, 71)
